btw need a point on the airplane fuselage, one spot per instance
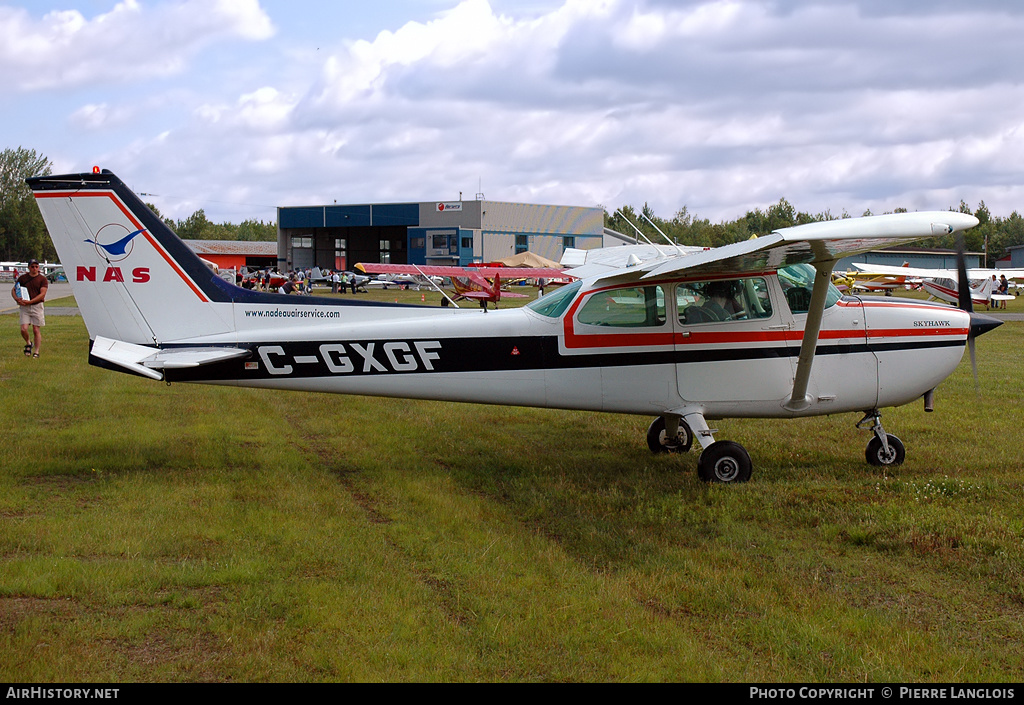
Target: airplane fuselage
(870, 354)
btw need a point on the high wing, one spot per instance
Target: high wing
(817, 243)
(601, 260)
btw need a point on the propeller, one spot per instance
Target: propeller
(980, 323)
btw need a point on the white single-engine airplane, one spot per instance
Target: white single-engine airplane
(752, 329)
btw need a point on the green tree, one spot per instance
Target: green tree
(22, 231)
(257, 230)
(195, 227)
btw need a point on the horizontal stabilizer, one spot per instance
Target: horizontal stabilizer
(146, 361)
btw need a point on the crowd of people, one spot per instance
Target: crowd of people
(300, 281)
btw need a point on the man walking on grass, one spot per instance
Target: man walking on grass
(32, 287)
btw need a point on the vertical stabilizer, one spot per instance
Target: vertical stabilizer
(133, 278)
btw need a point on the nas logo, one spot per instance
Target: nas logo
(114, 243)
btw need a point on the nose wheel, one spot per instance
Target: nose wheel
(891, 453)
(883, 449)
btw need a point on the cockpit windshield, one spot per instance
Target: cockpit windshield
(554, 304)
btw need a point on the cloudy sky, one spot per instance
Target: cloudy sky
(239, 106)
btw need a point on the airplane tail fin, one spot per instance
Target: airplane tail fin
(134, 280)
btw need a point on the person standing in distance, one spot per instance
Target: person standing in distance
(33, 287)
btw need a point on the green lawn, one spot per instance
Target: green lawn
(190, 533)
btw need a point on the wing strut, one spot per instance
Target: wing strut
(431, 282)
(823, 276)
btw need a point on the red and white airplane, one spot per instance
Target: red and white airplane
(752, 329)
(943, 283)
(481, 284)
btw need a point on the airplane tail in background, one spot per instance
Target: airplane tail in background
(134, 280)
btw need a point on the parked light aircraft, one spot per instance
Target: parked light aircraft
(779, 341)
(873, 282)
(943, 283)
(481, 284)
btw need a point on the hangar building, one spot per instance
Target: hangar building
(434, 232)
(236, 254)
(924, 257)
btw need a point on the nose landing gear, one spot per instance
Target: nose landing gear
(884, 448)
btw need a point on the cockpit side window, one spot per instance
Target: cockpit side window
(723, 300)
(797, 282)
(631, 307)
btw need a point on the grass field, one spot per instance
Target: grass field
(190, 533)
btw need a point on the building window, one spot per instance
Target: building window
(568, 242)
(522, 243)
(340, 253)
(467, 243)
(302, 242)
(385, 251)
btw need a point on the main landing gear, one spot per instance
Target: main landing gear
(719, 461)
(727, 461)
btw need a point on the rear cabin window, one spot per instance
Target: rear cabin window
(633, 307)
(723, 300)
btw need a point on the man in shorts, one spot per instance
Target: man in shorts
(33, 292)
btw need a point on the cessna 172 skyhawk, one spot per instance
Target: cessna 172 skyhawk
(752, 329)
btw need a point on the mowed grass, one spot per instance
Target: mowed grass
(193, 533)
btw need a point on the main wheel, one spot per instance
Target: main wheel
(876, 454)
(659, 442)
(724, 461)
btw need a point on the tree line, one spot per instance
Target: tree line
(198, 227)
(23, 234)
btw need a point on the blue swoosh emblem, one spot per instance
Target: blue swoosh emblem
(117, 248)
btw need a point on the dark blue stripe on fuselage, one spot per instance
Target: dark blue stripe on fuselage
(369, 357)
